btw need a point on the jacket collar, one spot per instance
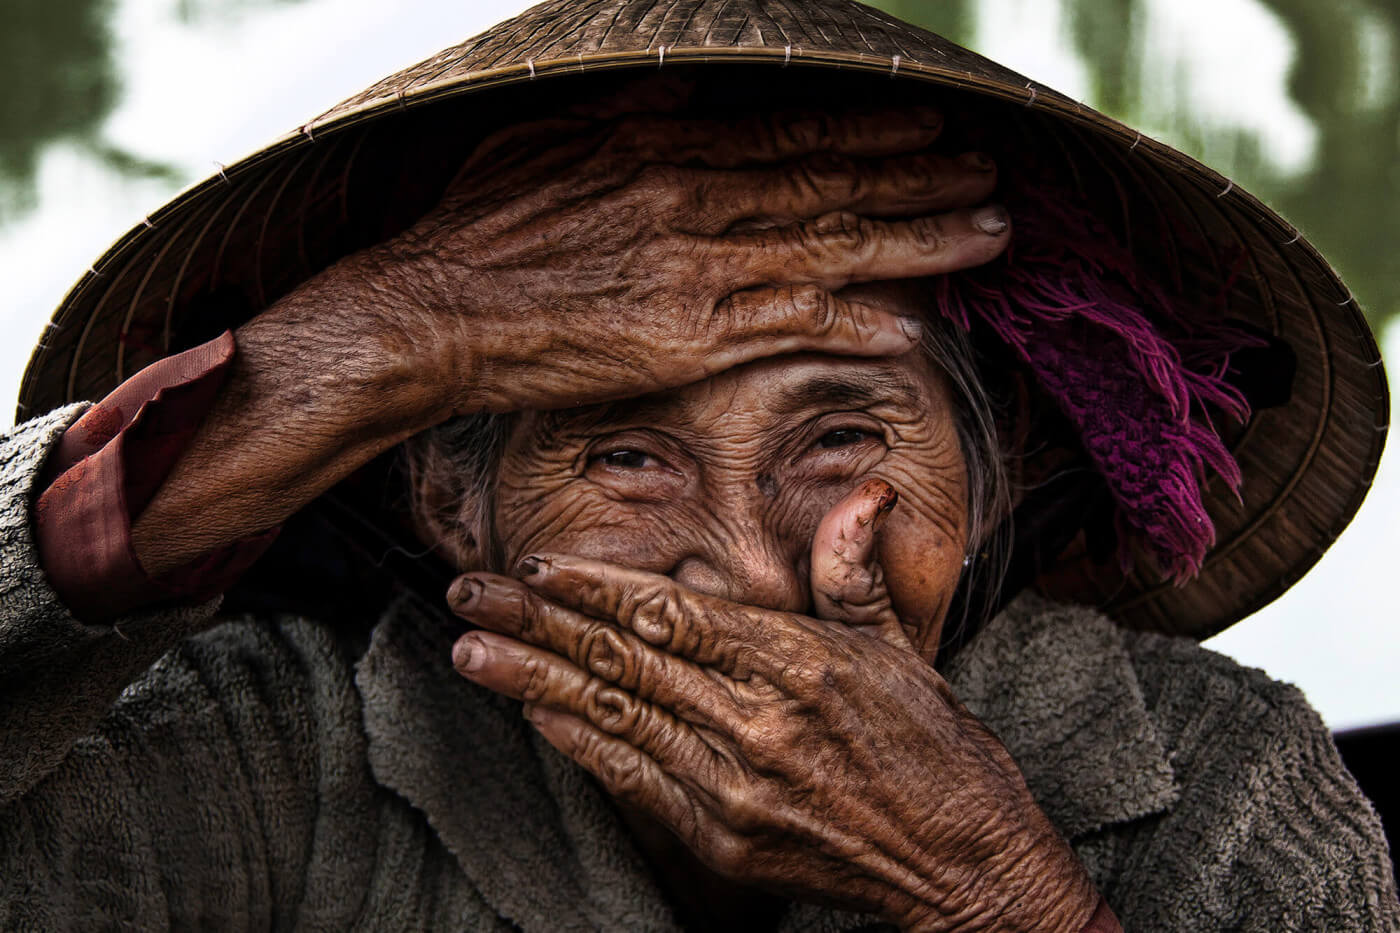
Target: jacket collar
(1057, 685)
(546, 850)
(530, 831)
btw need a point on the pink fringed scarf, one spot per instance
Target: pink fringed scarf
(1134, 373)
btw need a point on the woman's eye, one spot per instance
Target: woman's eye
(625, 459)
(844, 437)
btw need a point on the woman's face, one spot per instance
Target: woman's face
(721, 484)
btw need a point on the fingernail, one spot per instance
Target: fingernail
(991, 220)
(529, 566)
(463, 592)
(913, 328)
(528, 711)
(888, 499)
(977, 160)
(469, 654)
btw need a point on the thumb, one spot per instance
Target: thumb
(848, 584)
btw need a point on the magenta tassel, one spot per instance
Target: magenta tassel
(1135, 374)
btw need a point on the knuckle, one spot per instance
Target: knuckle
(930, 233)
(651, 613)
(664, 739)
(832, 175)
(743, 811)
(728, 316)
(814, 679)
(729, 855)
(614, 711)
(809, 301)
(619, 773)
(604, 654)
(840, 229)
(797, 131)
(532, 616)
(535, 681)
(769, 739)
(822, 310)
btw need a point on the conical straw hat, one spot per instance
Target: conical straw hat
(235, 242)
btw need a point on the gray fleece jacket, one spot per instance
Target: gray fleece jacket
(182, 770)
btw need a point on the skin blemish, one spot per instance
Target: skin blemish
(767, 485)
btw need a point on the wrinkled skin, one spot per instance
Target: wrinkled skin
(540, 283)
(729, 600)
(722, 485)
(788, 731)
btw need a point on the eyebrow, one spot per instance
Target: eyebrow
(850, 390)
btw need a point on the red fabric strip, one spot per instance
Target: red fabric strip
(105, 470)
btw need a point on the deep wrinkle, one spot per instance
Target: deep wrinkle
(884, 384)
(724, 482)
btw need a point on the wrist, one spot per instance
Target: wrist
(427, 326)
(351, 351)
(318, 386)
(1033, 882)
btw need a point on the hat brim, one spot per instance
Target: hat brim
(231, 245)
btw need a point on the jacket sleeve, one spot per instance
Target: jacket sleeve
(103, 473)
(58, 676)
(1270, 833)
(149, 779)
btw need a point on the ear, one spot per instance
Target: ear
(445, 518)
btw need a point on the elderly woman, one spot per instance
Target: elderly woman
(742, 425)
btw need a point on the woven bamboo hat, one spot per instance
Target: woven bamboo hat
(234, 243)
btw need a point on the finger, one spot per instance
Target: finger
(625, 773)
(720, 825)
(765, 322)
(734, 639)
(545, 680)
(770, 137)
(606, 652)
(840, 248)
(901, 186)
(848, 584)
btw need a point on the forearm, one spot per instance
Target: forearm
(312, 395)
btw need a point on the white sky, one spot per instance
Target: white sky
(202, 94)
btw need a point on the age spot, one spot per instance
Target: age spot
(767, 485)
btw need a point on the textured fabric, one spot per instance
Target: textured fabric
(280, 774)
(1138, 373)
(105, 470)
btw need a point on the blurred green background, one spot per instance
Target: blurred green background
(1343, 79)
(110, 106)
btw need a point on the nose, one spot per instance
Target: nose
(753, 573)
